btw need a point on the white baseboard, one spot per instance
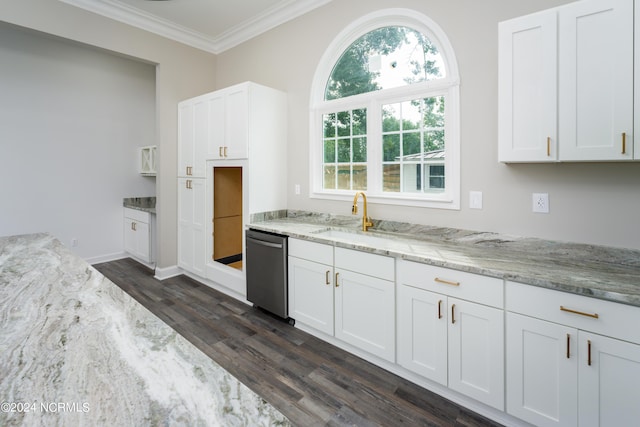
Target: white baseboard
(106, 258)
(163, 273)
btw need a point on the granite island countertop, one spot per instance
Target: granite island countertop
(77, 350)
(606, 273)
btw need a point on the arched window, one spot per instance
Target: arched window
(385, 115)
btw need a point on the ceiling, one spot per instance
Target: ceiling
(210, 25)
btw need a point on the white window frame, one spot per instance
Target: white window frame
(449, 87)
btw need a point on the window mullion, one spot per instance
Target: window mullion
(374, 147)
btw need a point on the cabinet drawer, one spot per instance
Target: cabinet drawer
(614, 320)
(469, 286)
(311, 251)
(366, 263)
(136, 215)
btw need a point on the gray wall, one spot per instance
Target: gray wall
(71, 119)
(593, 203)
(181, 72)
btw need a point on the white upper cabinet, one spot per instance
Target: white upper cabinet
(566, 84)
(528, 88)
(596, 80)
(192, 134)
(229, 122)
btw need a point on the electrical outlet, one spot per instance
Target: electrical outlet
(541, 202)
(475, 199)
(296, 189)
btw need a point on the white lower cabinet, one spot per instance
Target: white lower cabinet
(192, 224)
(351, 298)
(138, 234)
(311, 293)
(456, 342)
(559, 371)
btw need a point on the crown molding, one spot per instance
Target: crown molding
(279, 14)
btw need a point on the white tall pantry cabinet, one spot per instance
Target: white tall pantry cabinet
(244, 127)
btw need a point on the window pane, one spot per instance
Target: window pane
(384, 58)
(329, 123)
(433, 141)
(434, 112)
(359, 150)
(391, 118)
(344, 177)
(412, 178)
(329, 150)
(329, 177)
(359, 177)
(359, 122)
(344, 123)
(410, 144)
(411, 115)
(344, 150)
(391, 147)
(391, 178)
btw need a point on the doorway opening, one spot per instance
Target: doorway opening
(227, 216)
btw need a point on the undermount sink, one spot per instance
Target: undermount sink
(354, 237)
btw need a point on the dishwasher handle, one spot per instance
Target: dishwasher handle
(263, 243)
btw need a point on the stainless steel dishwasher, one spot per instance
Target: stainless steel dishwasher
(266, 267)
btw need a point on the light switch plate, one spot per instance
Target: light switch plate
(475, 199)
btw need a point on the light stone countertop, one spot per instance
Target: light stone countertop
(606, 273)
(145, 204)
(76, 350)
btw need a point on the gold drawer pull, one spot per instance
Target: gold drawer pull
(440, 309)
(568, 346)
(225, 151)
(624, 143)
(581, 313)
(326, 278)
(446, 282)
(589, 352)
(337, 284)
(453, 314)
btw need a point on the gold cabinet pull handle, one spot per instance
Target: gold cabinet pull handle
(220, 151)
(581, 313)
(337, 284)
(624, 143)
(568, 346)
(440, 309)
(446, 282)
(326, 278)
(225, 151)
(589, 352)
(548, 146)
(453, 314)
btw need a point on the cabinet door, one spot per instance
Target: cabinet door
(237, 123)
(609, 372)
(185, 138)
(142, 241)
(129, 236)
(200, 137)
(311, 294)
(191, 225)
(365, 315)
(217, 124)
(596, 80)
(542, 371)
(422, 332)
(527, 88)
(476, 351)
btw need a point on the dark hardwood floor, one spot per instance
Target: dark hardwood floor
(311, 382)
